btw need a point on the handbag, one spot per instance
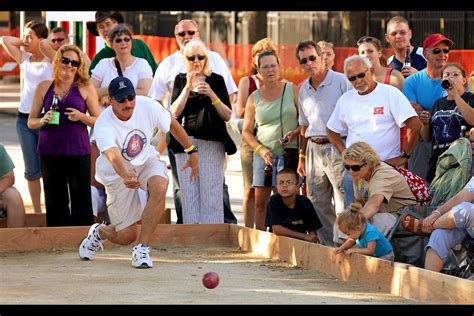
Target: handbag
(290, 155)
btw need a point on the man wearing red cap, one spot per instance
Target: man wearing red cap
(423, 89)
(104, 22)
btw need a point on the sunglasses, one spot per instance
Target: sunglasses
(354, 168)
(304, 60)
(437, 51)
(67, 61)
(128, 97)
(183, 33)
(125, 39)
(360, 76)
(59, 40)
(365, 39)
(193, 57)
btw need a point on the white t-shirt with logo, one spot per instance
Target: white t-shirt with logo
(374, 118)
(131, 137)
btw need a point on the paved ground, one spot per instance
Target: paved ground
(9, 101)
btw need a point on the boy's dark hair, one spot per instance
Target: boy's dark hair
(289, 171)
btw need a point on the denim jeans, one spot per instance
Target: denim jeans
(29, 146)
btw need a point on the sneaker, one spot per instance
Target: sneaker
(141, 257)
(91, 243)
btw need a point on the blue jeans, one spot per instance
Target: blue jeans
(348, 185)
(29, 146)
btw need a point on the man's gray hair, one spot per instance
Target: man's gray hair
(355, 58)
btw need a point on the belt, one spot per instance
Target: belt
(319, 141)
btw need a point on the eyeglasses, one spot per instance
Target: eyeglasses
(304, 60)
(183, 33)
(67, 61)
(193, 57)
(365, 39)
(285, 183)
(125, 39)
(455, 74)
(437, 51)
(59, 40)
(128, 97)
(360, 76)
(354, 168)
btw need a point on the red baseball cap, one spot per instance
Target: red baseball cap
(436, 38)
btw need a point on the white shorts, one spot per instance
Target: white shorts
(123, 204)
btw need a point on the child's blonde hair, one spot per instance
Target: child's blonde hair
(350, 220)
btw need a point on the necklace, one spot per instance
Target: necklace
(62, 93)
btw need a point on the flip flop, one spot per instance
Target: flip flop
(408, 223)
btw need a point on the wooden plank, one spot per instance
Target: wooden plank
(436, 287)
(395, 278)
(19, 239)
(39, 219)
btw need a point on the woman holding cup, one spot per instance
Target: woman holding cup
(63, 146)
(201, 102)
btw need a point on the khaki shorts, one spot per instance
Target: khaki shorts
(123, 204)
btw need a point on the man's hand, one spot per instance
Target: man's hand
(192, 163)
(130, 180)
(418, 108)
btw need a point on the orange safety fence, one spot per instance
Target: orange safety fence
(5, 59)
(238, 56)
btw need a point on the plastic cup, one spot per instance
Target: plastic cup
(197, 80)
(55, 119)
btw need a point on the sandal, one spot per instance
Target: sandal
(409, 224)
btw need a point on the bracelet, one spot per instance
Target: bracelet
(258, 147)
(216, 101)
(302, 156)
(189, 148)
(437, 212)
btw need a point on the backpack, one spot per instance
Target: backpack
(418, 186)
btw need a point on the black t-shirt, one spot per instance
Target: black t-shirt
(445, 127)
(302, 218)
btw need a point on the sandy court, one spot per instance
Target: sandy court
(60, 277)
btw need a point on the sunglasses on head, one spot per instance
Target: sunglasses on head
(183, 33)
(360, 76)
(67, 61)
(354, 168)
(193, 57)
(125, 39)
(128, 97)
(304, 60)
(437, 51)
(59, 40)
(365, 39)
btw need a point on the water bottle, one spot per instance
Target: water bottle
(463, 131)
(268, 175)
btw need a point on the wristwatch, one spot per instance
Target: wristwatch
(194, 150)
(405, 155)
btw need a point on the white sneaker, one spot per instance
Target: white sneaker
(141, 257)
(91, 243)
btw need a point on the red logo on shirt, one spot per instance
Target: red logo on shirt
(378, 110)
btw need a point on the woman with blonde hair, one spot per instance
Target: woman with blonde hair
(247, 86)
(372, 48)
(201, 102)
(380, 190)
(63, 145)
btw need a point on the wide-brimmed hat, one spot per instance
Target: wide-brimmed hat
(101, 16)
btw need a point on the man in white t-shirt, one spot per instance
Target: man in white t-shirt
(163, 82)
(128, 162)
(373, 113)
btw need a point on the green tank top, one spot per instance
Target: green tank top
(267, 117)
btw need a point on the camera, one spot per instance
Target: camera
(284, 140)
(445, 84)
